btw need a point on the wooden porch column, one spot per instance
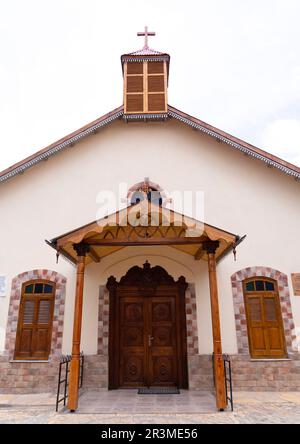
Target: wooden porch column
(221, 402)
(81, 250)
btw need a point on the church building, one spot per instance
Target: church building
(157, 245)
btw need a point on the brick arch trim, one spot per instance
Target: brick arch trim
(146, 184)
(240, 312)
(14, 304)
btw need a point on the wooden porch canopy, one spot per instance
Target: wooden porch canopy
(135, 226)
(146, 224)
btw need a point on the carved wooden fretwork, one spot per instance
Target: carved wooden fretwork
(147, 278)
(130, 233)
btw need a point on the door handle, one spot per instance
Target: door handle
(150, 339)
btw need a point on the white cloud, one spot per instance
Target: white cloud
(282, 137)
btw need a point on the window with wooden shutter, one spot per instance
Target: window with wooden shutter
(35, 320)
(156, 87)
(145, 87)
(264, 320)
(134, 87)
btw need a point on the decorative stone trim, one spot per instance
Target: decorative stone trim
(248, 375)
(20, 377)
(191, 321)
(239, 306)
(59, 308)
(103, 321)
(259, 375)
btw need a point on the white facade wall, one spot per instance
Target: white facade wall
(242, 195)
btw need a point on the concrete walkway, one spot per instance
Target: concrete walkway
(103, 407)
(128, 401)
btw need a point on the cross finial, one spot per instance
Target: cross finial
(146, 33)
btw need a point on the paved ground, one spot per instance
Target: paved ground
(128, 401)
(129, 408)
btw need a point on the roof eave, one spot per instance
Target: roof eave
(244, 147)
(61, 144)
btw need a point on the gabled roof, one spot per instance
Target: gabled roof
(145, 52)
(61, 144)
(251, 150)
(71, 139)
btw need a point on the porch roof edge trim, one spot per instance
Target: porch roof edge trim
(191, 226)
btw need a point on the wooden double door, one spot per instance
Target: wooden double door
(148, 341)
(148, 338)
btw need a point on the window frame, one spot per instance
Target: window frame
(144, 94)
(20, 325)
(279, 320)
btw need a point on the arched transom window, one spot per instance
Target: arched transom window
(147, 190)
(264, 319)
(35, 320)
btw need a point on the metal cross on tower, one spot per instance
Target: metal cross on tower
(146, 33)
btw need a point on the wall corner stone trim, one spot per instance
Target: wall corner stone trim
(191, 321)
(103, 321)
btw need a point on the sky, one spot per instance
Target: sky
(234, 64)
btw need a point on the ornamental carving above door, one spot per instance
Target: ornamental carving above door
(147, 329)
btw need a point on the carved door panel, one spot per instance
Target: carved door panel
(162, 342)
(133, 345)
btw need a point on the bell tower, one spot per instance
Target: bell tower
(145, 75)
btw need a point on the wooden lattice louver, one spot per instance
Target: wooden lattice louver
(145, 81)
